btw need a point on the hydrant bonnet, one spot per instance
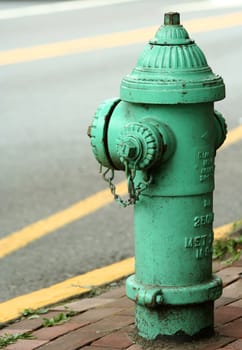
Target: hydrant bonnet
(172, 69)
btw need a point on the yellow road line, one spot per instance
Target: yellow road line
(81, 284)
(43, 227)
(112, 40)
(77, 211)
(75, 286)
(223, 231)
(233, 136)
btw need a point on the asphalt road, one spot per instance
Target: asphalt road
(46, 106)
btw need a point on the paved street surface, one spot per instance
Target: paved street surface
(47, 104)
(106, 322)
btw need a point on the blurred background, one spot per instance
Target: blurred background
(58, 61)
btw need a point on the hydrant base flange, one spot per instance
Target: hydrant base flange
(185, 322)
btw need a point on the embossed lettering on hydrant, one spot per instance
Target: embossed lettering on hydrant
(202, 220)
(207, 165)
(201, 244)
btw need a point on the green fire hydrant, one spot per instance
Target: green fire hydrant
(164, 132)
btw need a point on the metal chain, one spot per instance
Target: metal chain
(134, 192)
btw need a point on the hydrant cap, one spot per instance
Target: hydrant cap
(172, 69)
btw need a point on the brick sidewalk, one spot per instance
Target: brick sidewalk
(106, 322)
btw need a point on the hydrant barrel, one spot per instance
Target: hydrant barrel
(164, 133)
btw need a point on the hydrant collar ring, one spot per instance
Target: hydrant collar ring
(173, 295)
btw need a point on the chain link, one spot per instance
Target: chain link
(134, 192)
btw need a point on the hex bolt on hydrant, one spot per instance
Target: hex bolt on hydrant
(164, 132)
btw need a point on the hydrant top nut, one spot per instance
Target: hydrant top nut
(172, 18)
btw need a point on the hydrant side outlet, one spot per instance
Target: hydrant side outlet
(164, 133)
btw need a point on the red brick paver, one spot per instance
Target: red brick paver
(237, 303)
(119, 340)
(23, 344)
(73, 340)
(223, 301)
(84, 304)
(111, 324)
(232, 329)
(29, 325)
(95, 315)
(49, 333)
(236, 345)
(216, 343)
(234, 290)
(97, 348)
(229, 275)
(124, 303)
(226, 314)
(114, 293)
